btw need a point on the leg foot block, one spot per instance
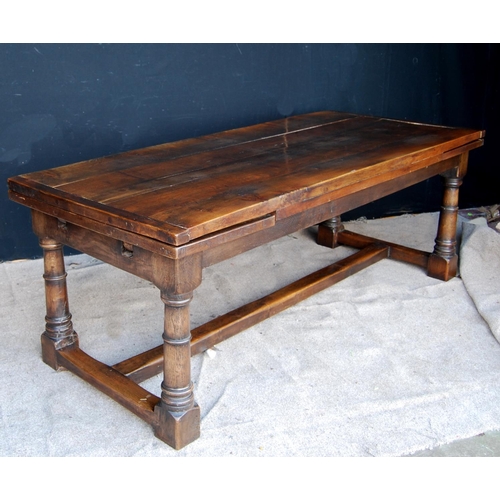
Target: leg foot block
(328, 232)
(178, 429)
(49, 353)
(326, 237)
(441, 268)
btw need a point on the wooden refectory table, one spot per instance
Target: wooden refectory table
(164, 213)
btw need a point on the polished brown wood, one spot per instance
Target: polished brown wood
(328, 232)
(59, 332)
(396, 252)
(443, 263)
(178, 414)
(221, 186)
(165, 212)
(110, 382)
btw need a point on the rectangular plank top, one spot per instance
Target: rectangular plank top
(181, 191)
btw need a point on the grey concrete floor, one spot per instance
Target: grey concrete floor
(484, 445)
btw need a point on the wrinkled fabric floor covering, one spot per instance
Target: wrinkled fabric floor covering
(385, 363)
(480, 272)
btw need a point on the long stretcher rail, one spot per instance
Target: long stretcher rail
(147, 364)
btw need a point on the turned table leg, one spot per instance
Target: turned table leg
(178, 414)
(328, 232)
(59, 331)
(443, 262)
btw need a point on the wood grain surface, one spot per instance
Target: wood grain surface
(182, 191)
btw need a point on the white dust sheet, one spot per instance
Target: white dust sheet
(385, 363)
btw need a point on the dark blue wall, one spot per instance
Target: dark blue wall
(60, 104)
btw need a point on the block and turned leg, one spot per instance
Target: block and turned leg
(59, 332)
(443, 262)
(178, 415)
